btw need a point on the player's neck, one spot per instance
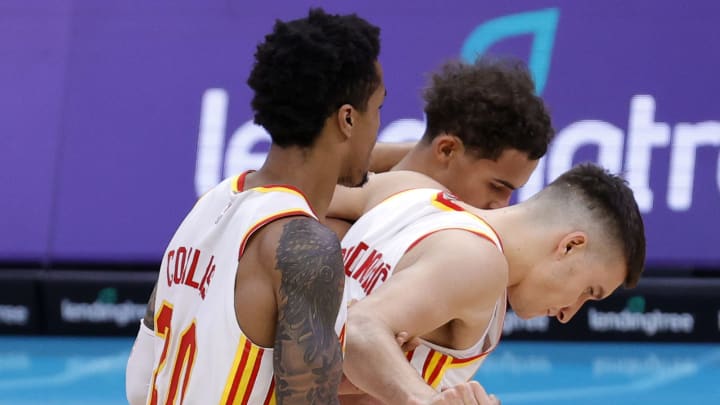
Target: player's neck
(519, 239)
(418, 160)
(303, 168)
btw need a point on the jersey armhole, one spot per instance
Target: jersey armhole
(267, 220)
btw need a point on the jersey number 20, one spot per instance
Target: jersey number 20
(183, 359)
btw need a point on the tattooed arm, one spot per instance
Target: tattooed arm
(307, 355)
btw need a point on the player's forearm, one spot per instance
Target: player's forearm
(386, 155)
(376, 365)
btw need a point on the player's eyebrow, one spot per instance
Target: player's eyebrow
(506, 184)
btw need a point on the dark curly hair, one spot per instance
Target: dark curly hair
(490, 105)
(612, 203)
(309, 67)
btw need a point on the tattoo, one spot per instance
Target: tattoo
(149, 319)
(307, 355)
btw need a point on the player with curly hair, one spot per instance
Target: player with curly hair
(251, 284)
(421, 261)
(486, 131)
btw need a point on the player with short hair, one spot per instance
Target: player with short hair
(421, 261)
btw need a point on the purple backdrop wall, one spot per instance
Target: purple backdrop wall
(115, 116)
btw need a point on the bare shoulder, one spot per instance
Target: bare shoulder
(294, 240)
(383, 185)
(464, 259)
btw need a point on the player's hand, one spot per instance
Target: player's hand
(468, 393)
(406, 342)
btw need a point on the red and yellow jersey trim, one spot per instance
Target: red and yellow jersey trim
(434, 367)
(341, 337)
(270, 218)
(238, 186)
(445, 201)
(243, 373)
(437, 364)
(238, 183)
(270, 397)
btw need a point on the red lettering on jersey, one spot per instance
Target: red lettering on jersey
(371, 271)
(191, 273)
(345, 253)
(354, 253)
(180, 259)
(207, 277)
(181, 266)
(170, 256)
(369, 263)
(380, 274)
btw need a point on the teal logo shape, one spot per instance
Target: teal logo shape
(541, 24)
(107, 295)
(636, 304)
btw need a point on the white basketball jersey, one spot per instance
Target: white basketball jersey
(375, 244)
(202, 355)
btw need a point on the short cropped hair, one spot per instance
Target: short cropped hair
(490, 105)
(612, 204)
(307, 68)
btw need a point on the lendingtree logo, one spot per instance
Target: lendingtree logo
(628, 147)
(635, 318)
(106, 308)
(246, 147)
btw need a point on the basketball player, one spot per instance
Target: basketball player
(486, 131)
(421, 261)
(250, 287)
(251, 283)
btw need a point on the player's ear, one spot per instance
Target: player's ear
(446, 147)
(345, 120)
(571, 244)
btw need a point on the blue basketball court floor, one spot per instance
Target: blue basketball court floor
(77, 371)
